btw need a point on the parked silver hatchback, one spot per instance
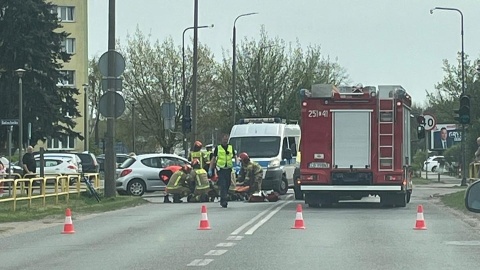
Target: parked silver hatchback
(140, 174)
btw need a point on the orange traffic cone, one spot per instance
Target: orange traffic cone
(68, 226)
(204, 224)
(299, 218)
(420, 223)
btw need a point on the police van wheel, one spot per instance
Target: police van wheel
(283, 186)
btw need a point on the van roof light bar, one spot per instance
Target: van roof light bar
(262, 120)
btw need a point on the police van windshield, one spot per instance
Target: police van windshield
(257, 147)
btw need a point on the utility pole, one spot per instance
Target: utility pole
(195, 69)
(110, 159)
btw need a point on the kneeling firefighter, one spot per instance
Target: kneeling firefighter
(179, 183)
(200, 184)
(251, 175)
(165, 176)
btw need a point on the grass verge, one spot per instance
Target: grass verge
(83, 204)
(455, 200)
(423, 181)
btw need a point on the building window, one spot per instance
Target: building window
(67, 78)
(68, 45)
(64, 143)
(66, 14)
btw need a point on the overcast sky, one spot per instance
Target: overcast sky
(377, 41)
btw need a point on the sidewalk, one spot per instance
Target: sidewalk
(445, 180)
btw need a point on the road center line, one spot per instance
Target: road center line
(216, 252)
(227, 244)
(235, 238)
(200, 262)
(237, 231)
(265, 219)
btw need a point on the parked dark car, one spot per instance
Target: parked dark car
(89, 162)
(101, 160)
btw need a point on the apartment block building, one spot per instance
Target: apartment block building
(74, 19)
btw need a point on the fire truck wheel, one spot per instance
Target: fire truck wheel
(283, 188)
(402, 200)
(298, 193)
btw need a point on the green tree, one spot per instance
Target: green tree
(446, 96)
(30, 39)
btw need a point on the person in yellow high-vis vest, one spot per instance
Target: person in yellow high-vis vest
(197, 154)
(207, 156)
(222, 160)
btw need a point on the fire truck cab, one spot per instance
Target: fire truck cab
(355, 143)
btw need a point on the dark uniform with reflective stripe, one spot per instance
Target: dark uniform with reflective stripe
(251, 175)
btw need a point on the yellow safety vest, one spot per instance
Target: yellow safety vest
(207, 156)
(224, 160)
(197, 155)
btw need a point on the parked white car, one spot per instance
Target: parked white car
(433, 163)
(57, 165)
(73, 157)
(140, 174)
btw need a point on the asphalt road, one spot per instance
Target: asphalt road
(351, 235)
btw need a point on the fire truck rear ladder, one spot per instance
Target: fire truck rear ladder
(386, 134)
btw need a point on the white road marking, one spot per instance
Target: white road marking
(200, 262)
(228, 244)
(216, 252)
(235, 237)
(237, 231)
(265, 219)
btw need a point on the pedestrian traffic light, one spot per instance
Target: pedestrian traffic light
(464, 110)
(187, 124)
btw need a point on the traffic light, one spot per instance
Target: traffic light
(187, 120)
(464, 110)
(187, 125)
(421, 120)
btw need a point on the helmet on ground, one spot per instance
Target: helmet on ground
(198, 144)
(186, 168)
(244, 157)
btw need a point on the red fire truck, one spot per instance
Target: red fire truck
(355, 143)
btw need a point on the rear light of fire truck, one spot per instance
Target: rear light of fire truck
(308, 177)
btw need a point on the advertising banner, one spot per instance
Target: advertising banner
(444, 136)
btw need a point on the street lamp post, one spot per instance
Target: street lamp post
(85, 117)
(184, 87)
(20, 72)
(464, 159)
(234, 62)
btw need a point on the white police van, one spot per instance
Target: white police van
(271, 142)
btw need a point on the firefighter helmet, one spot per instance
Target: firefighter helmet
(244, 157)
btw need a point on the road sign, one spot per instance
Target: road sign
(116, 84)
(9, 122)
(430, 121)
(118, 63)
(168, 114)
(119, 104)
